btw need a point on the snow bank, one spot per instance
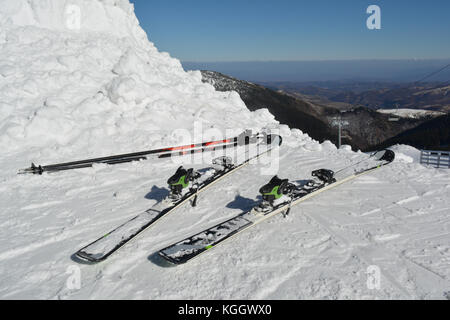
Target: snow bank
(107, 16)
(346, 147)
(328, 145)
(81, 77)
(406, 154)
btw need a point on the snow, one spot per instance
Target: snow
(101, 88)
(411, 113)
(406, 154)
(104, 89)
(346, 147)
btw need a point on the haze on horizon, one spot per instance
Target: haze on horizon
(295, 40)
(316, 71)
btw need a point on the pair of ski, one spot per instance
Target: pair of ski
(111, 242)
(162, 153)
(192, 247)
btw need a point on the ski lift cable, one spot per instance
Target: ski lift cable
(433, 73)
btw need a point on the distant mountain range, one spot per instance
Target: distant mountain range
(382, 70)
(367, 129)
(286, 109)
(373, 95)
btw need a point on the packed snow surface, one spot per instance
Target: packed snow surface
(396, 218)
(69, 93)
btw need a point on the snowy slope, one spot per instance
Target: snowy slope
(99, 89)
(106, 89)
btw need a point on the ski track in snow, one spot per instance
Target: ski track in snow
(410, 199)
(40, 205)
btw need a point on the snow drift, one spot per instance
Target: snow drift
(82, 73)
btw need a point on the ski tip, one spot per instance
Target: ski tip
(388, 156)
(384, 155)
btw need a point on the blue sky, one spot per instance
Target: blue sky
(287, 30)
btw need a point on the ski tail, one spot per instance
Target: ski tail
(190, 248)
(386, 155)
(380, 159)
